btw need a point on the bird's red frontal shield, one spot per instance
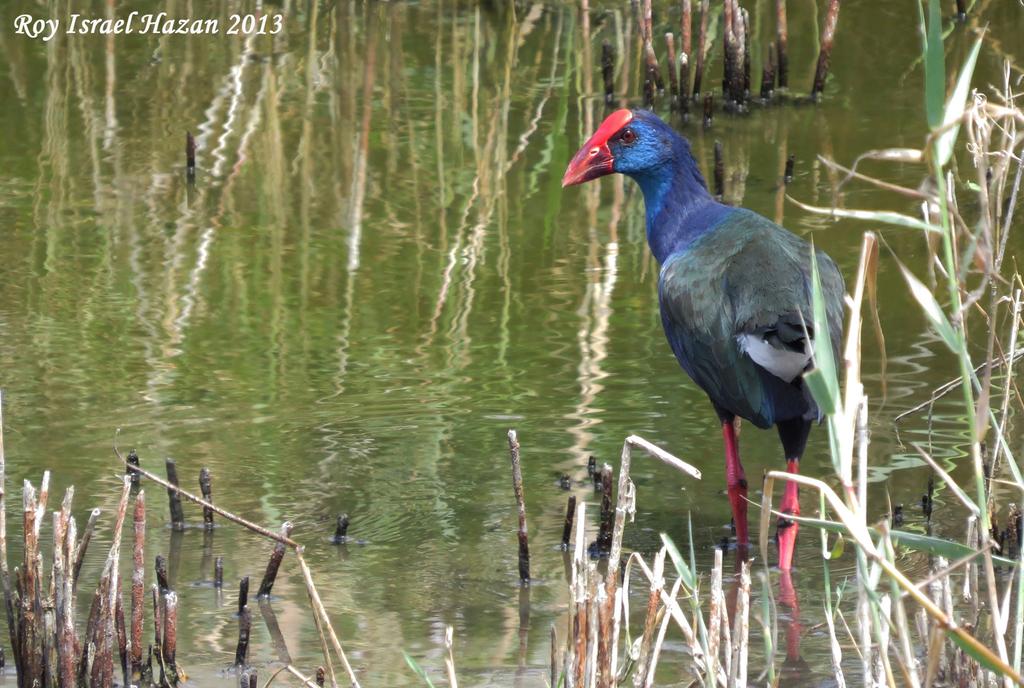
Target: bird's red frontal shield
(594, 159)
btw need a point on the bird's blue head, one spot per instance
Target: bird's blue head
(639, 144)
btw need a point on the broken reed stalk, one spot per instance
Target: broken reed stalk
(122, 635)
(517, 486)
(206, 487)
(46, 627)
(158, 630)
(732, 65)
(190, 156)
(341, 530)
(576, 654)
(98, 667)
(138, 586)
(742, 629)
(702, 38)
(5, 576)
(608, 71)
(323, 623)
(160, 568)
(673, 77)
(684, 79)
(768, 74)
(828, 31)
(170, 646)
(781, 40)
(223, 513)
(598, 605)
(83, 544)
(243, 593)
(653, 79)
(133, 459)
(604, 533)
(63, 552)
(686, 46)
(709, 109)
(719, 173)
(173, 498)
(715, 614)
(28, 587)
(570, 512)
(244, 628)
(270, 575)
(787, 177)
(218, 573)
(746, 54)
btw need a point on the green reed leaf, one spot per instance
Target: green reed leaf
(414, 665)
(955, 107)
(822, 380)
(684, 571)
(934, 65)
(932, 310)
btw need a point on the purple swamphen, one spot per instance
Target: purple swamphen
(734, 292)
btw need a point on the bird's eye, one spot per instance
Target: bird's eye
(628, 136)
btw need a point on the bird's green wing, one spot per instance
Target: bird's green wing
(740, 293)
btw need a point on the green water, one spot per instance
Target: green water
(377, 274)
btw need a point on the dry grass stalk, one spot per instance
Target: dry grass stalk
(599, 605)
(664, 619)
(650, 620)
(449, 660)
(860, 534)
(715, 614)
(305, 680)
(738, 670)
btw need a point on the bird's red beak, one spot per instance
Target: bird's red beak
(595, 159)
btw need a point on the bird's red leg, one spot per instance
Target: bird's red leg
(736, 481)
(787, 529)
(788, 597)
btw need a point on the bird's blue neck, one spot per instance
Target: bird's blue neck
(679, 207)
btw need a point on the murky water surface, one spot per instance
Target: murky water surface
(377, 274)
